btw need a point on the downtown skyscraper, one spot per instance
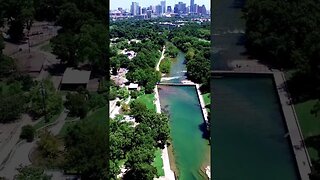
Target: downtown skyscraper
(192, 7)
(134, 9)
(163, 7)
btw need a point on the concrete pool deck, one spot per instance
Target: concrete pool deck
(168, 173)
(203, 110)
(294, 131)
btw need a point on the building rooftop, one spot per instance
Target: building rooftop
(74, 76)
(133, 86)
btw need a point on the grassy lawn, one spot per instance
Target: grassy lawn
(310, 124)
(65, 127)
(47, 47)
(158, 163)
(42, 122)
(148, 100)
(99, 116)
(207, 100)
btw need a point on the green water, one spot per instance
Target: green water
(248, 131)
(227, 33)
(181, 102)
(177, 69)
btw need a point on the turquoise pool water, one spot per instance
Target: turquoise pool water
(248, 131)
(186, 122)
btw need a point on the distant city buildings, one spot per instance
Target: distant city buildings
(192, 7)
(134, 8)
(161, 9)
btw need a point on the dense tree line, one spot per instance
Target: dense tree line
(84, 34)
(186, 38)
(142, 66)
(285, 34)
(137, 145)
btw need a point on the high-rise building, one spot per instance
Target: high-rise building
(192, 6)
(176, 8)
(202, 10)
(139, 10)
(163, 7)
(134, 8)
(182, 8)
(149, 12)
(144, 10)
(158, 9)
(169, 9)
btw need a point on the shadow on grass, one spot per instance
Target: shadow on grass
(303, 87)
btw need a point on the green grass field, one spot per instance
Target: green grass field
(148, 100)
(309, 123)
(47, 47)
(207, 100)
(158, 163)
(99, 117)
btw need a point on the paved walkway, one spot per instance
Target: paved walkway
(19, 153)
(8, 145)
(161, 58)
(299, 148)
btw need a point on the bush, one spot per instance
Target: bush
(165, 66)
(77, 104)
(118, 103)
(134, 94)
(112, 94)
(97, 101)
(27, 133)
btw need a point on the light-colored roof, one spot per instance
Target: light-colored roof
(74, 76)
(133, 86)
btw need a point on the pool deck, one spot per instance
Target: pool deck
(297, 141)
(200, 98)
(168, 173)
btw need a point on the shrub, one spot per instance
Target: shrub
(118, 103)
(27, 133)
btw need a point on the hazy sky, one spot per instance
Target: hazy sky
(114, 4)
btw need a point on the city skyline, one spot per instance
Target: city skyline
(114, 4)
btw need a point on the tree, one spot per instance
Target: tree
(7, 66)
(137, 107)
(87, 142)
(76, 103)
(65, 47)
(123, 93)
(27, 133)
(141, 171)
(30, 172)
(165, 66)
(48, 146)
(52, 100)
(12, 103)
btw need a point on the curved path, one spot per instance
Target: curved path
(161, 58)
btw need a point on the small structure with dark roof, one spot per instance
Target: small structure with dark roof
(73, 79)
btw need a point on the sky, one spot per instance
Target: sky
(114, 4)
